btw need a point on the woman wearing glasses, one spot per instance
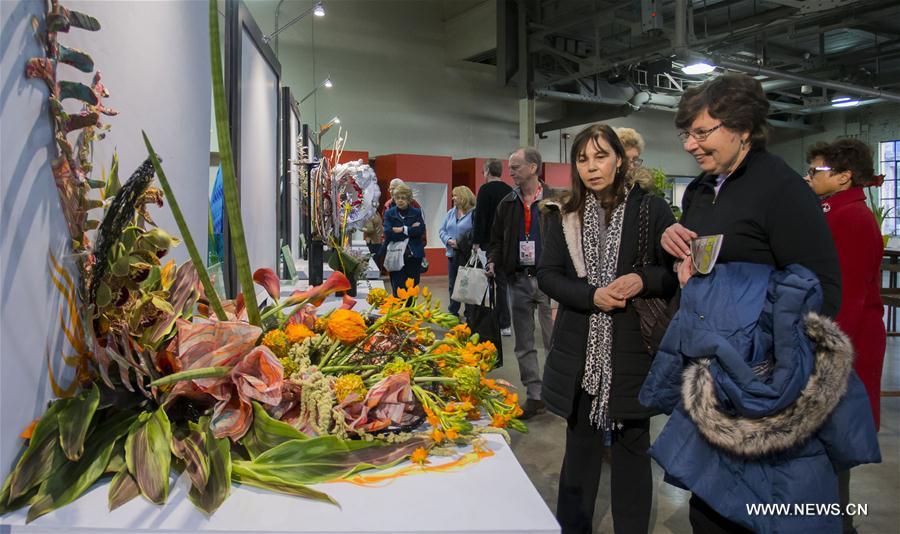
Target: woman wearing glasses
(751, 388)
(837, 174)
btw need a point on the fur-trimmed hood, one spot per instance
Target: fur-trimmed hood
(746, 436)
(571, 225)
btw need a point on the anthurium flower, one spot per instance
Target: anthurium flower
(267, 278)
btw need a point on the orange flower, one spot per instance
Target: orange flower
(433, 421)
(511, 398)
(277, 342)
(460, 331)
(419, 456)
(411, 290)
(437, 435)
(499, 421)
(297, 333)
(452, 433)
(346, 326)
(442, 349)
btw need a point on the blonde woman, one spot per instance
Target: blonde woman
(634, 145)
(456, 234)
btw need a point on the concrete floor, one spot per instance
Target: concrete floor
(541, 451)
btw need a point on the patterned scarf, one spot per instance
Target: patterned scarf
(601, 255)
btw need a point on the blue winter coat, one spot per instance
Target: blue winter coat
(394, 217)
(764, 401)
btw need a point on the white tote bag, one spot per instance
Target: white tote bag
(393, 256)
(471, 282)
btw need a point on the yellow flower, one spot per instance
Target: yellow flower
(437, 435)
(377, 296)
(499, 421)
(419, 456)
(346, 326)
(347, 384)
(426, 292)
(397, 366)
(452, 433)
(467, 379)
(277, 342)
(296, 333)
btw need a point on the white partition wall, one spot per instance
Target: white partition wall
(154, 57)
(433, 199)
(253, 76)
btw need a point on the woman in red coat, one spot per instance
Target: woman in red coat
(837, 173)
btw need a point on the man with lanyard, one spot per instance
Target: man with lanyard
(513, 253)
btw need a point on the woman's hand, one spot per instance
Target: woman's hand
(627, 286)
(416, 224)
(685, 271)
(452, 243)
(397, 229)
(607, 300)
(676, 240)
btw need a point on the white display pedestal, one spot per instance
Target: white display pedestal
(493, 495)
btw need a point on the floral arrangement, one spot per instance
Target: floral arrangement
(168, 376)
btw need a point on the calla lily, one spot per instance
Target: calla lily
(348, 303)
(269, 280)
(316, 295)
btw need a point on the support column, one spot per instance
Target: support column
(526, 122)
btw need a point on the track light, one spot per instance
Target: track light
(326, 83)
(317, 10)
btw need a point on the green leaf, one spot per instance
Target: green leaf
(95, 184)
(74, 421)
(104, 295)
(199, 266)
(267, 433)
(122, 489)
(229, 182)
(192, 450)
(7, 505)
(148, 456)
(43, 455)
(91, 224)
(121, 266)
(218, 485)
(152, 279)
(191, 374)
(285, 487)
(74, 478)
(320, 459)
(112, 183)
(92, 203)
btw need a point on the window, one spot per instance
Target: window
(889, 156)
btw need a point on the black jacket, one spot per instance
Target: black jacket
(503, 251)
(768, 215)
(559, 278)
(489, 197)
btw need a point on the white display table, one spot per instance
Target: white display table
(493, 495)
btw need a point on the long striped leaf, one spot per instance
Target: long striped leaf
(74, 478)
(192, 374)
(229, 182)
(288, 488)
(122, 489)
(199, 265)
(74, 421)
(148, 456)
(43, 455)
(218, 484)
(267, 432)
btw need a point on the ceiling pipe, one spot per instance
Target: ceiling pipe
(587, 99)
(757, 70)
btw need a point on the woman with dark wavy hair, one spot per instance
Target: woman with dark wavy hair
(763, 209)
(597, 360)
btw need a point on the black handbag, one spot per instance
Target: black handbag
(655, 313)
(482, 320)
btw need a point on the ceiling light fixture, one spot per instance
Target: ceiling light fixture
(699, 67)
(319, 10)
(843, 100)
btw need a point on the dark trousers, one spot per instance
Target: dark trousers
(705, 520)
(502, 303)
(452, 270)
(579, 480)
(412, 268)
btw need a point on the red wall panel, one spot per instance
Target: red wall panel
(558, 175)
(470, 172)
(348, 155)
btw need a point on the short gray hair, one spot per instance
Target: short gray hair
(531, 155)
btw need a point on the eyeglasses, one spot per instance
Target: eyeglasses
(637, 162)
(699, 135)
(813, 170)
